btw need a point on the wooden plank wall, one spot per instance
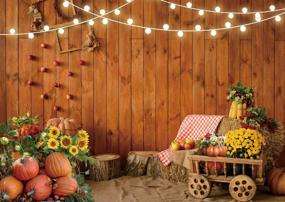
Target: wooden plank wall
(135, 90)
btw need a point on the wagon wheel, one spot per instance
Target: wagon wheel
(199, 186)
(242, 188)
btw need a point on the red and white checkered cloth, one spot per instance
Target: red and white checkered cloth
(194, 126)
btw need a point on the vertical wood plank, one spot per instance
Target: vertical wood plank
(3, 107)
(245, 62)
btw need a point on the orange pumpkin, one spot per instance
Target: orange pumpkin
(25, 168)
(65, 186)
(276, 181)
(57, 165)
(10, 188)
(39, 188)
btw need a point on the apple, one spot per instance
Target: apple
(174, 146)
(182, 143)
(190, 142)
(188, 146)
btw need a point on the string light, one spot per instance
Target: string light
(228, 24)
(189, 5)
(12, 31)
(258, 17)
(60, 30)
(86, 8)
(198, 28)
(242, 28)
(244, 10)
(272, 7)
(105, 21)
(201, 12)
(102, 11)
(278, 18)
(65, 4)
(75, 21)
(129, 1)
(147, 30)
(180, 33)
(213, 32)
(91, 22)
(130, 21)
(31, 35)
(218, 9)
(231, 15)
(165, 27)
(117, 12)
(172, 6)
(46, 28)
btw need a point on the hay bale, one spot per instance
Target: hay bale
(174, 173)
(228, 124)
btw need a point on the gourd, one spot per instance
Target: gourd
(65, 125)
(39, 188)
(65, 186)
(10, 188)
(276, 181)
(57, 165)
(25, 168)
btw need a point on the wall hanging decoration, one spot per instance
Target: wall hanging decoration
(91, 42)
(36, 15)
(58, 7)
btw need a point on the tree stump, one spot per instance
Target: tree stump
(107, 167)
(140, 163)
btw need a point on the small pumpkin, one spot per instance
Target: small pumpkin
(65, 186)
(276, 181)
(39, 188)
(10, 188)
(65, 125)
(57, 165)
(210, 151)
(25, 168)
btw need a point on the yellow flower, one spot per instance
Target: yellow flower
(39, 144)
(83, 143)
(83, 134)
(73, 150)
(54, 132)
(65, 141)
(53, 143)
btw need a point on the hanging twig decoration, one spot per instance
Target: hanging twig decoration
(91, 41)
(36, 15)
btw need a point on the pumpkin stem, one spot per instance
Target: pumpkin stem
(23, 160)
(30, 193)
(5, 196)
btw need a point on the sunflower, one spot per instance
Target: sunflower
(82, 143)
(65, 141)
(83, 134)
(53, 143)
(54, 132)
(73, 150)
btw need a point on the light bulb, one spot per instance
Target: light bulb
(201, 12)
(231, 15)
(12, 31)
(180, 34)
(272, 7)
(277, 18)
(172, 6)
(91, 22)
(130, 21)
(60, 30)
(65, 4)
(31, 35)
(189, 5)
(218, 9)
(257, 17)
(105, 21)
(86, 8)
(165, 26)
(75, 21)
(102, 11)
(147, 30)
(213, 32)
(198, 27)
(242, 28)
(244, 10)
(129, 1)
(46, 28)
(117, 12)
(228, 24)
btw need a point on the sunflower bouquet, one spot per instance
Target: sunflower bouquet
(244, 143)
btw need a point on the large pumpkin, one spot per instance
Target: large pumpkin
(25, 168)
(65, 186)
(65, 125)
(276, 181)
(57, 165)
(39, 188)
(10, 188)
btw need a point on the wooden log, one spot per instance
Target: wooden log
(140, 163)
(107, 167)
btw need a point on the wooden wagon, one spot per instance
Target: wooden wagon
(243, 175)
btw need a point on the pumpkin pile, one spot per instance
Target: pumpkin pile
(28, 180)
